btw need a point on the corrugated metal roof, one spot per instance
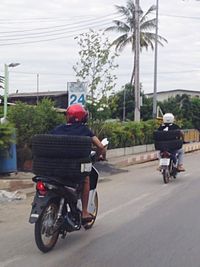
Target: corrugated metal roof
(176, 90)
(35, 94)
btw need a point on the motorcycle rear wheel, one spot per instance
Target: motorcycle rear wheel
(45, 237)
(89, 225)
(165, 174)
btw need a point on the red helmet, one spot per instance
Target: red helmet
(76, 113)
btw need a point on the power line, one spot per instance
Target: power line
(46, 19)
(24, 20)
(60, 31)
(42, 35)
(74, 24)
(45, 40)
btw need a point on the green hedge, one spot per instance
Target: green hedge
(126, 134)
(30, 120)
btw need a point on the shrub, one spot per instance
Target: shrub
(6, 135)
(31, 120)
(127, 133)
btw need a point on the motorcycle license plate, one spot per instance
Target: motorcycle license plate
(86, 167)
(164, 162)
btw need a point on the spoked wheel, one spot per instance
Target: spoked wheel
(94, 213)
(45, 235)
(165, 176)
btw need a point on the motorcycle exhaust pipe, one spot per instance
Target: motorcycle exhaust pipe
(69, 221)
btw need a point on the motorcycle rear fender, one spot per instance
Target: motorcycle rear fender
(162, 167)
(38, 205)
(94, 175)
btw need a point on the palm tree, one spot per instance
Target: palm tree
(127, 30)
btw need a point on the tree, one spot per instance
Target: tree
(127, 30)
(116, 103)
(6, 136)
(195, 107)
(124, 99)
(30, 120)
(95, 67)
(185, 109)
(146, 108)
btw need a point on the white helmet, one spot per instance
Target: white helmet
(168, 118)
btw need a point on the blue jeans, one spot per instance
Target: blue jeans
(180, 156)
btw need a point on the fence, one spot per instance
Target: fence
(191, 135)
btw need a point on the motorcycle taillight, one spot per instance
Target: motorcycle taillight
(41, 187)
(165, 154)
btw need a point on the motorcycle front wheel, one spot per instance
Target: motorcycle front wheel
(165, 174)
(45, 235)
(94, 213)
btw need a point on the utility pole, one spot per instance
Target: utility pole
(155, 67)
(137, 61)
(37, 88)
(124, 105)
(6, 86)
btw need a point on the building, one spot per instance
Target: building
(59, 97)
(165, 95)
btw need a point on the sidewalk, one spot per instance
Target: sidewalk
(22, 181)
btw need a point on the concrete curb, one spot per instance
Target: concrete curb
(148, 156)
(136, 159)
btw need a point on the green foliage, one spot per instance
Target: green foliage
(23, 117)
(146, 108)
(127, 133)
(31, 120)
(1, 111)
(127, 97)
(46, 116)
(116, 103)
(185, 109)
(6, 135)
(99, 110)
(195, 117)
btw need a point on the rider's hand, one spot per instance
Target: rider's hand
(102, 158)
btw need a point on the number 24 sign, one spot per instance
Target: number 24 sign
(76, 93)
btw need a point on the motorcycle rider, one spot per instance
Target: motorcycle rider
(169, 125)
(76, 118)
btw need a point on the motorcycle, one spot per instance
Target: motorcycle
(168, 142)
(168, 165)
(57, 208)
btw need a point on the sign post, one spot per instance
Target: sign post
(76, 93)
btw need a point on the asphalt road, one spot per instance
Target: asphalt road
(141, 223)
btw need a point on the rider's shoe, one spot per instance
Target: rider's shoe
(88, 219)
(180, 168)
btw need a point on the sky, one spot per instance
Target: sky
(40, 36)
